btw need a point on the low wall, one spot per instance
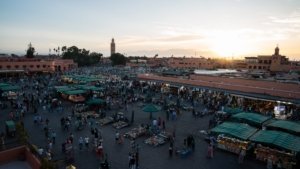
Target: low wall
(13, 154)
(19, 153)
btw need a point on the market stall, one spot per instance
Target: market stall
(106, 120)
(285, 126)
(120, 124)
(158, 139)
(252, 119)
(231, 110)
(233, 136)
(136, 132)
(75, 95)
(277, 145)
(8, 91)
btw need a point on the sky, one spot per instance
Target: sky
(191, 28)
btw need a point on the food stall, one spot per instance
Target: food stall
(285, 126)
(9, 91)
(75, 95)
(233, 136)
(136, 132)
(277, 145)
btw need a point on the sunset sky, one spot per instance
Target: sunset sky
(209, 28)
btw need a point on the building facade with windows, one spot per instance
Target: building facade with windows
(194, 63)
(273, 63)
(21, 64)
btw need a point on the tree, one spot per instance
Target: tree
(82, 57)
(30, 51)
(118, 59)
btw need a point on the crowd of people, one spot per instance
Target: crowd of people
(38, 97)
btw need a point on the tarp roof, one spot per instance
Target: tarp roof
(238, 130)
(95, 101)
(9, 88)
(278, 139)
(251, 117)
(230, 110)
(74, 92)
(63, 89)
(93, 88)
(285, 125)
(4, 84)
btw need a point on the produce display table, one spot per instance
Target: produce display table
(88, 114)
(262, 153)
(158, 139)
(120, 124)
(135, 132)
(231, 144)
(106, 120)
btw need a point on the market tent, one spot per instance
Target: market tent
(230, 110)
(63, 89)
(284, 125)
(93, 88)
(74, 92)
(251, 118)
(9, 88)
(150, 108)
(95, 101)
(238, 130)
(4, 84)
(278, 139)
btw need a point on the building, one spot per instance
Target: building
(28, 65)
(193, 63)
(263, 88)
(273, 63)
(112, 47)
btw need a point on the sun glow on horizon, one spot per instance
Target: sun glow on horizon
(229, 45)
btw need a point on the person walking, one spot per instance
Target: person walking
(53, 136)
(117, 136)
(86, 141)
(132, 116)
(210, 151)
(270, 162)
(80, 142)
(171, 149)
(242, 155)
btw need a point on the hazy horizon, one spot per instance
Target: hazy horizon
(216, 28)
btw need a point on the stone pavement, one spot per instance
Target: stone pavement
(150, 157)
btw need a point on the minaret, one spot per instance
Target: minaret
(276, 51)
(112, 47)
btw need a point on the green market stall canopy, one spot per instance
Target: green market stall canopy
(150, 108)
(278, 139)
(74, 92)
(251, 118)
(95, 101)
(9, 88)
(286, 126)
(232, 111)
(237, 130)
(4, 84)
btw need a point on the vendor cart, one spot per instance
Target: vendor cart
(10, 128)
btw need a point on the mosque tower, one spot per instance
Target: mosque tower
(112, 47)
